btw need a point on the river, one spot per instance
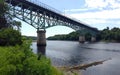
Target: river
(69, 53)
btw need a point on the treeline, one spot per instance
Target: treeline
(73, 36)
(112, 35)
(31, 37)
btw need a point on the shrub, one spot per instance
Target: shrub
(20, 60)
(10, 37)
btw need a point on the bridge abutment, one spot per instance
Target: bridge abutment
(41, 38)
(81, 39)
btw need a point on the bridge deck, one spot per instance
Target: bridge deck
(49, 12)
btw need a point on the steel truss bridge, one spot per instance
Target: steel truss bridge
(42, 16)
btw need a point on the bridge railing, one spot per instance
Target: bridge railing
(37, 2)
(44, 5)
(52, 9)
(73, 18)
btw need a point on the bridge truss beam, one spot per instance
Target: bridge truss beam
(38, 18)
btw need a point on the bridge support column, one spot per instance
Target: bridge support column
(41, 38)
(81, 39)
(93, 39)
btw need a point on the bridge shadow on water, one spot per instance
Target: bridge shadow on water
(41, 50)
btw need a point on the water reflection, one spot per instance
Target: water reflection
(65, 53)
(41, 50)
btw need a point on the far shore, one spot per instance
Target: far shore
(107, 41)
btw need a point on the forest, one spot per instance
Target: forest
(107, 34)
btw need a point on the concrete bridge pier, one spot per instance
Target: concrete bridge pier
(41, 38)
(93, 39)
(82, 39)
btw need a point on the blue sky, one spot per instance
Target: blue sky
(96, 13)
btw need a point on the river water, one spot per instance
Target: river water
(69, 53)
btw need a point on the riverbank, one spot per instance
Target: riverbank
(75, 70)
(109, 41)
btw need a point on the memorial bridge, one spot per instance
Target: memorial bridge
(42, 16)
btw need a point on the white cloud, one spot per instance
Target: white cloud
(102, 3)
(113, 3)
(95, 3)
(74, 10)
(104, 13)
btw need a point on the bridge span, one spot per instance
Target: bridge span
(42, 16)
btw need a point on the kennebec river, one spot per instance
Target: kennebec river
(71, 53)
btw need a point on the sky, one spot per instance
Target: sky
(95, 13)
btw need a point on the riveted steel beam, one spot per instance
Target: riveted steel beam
(42, 18)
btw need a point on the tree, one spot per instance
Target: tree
(16, 25)
(20, 60)
(10, 37)
(110, 35)
(115, 34)
(3, 9)
(6, 21)
(105, 34)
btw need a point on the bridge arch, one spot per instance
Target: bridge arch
(51, 31)
(41, 17)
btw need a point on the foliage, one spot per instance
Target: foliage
(6, 20)
(72, 36)
(15, 25)
(20, 60)
(10, 37)
(31, 37)
(3, 10)
(111, 35)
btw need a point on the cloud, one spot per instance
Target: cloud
(105, 14)
(95, 3)
(76, 10)
(102, 3)
(99, 13)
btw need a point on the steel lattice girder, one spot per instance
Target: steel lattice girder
(41, 19)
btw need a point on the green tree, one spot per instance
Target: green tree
(73, 36)
(105, 34)
(110, 35)
(6, 21)
(3, 9)
(10, 37)
(20, 60)
(115, 34)
(16, 25)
